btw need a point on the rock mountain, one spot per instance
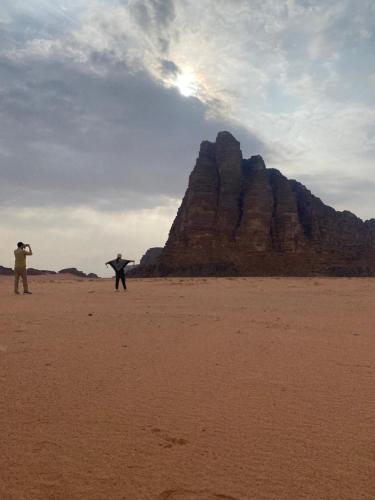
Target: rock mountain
(8, 271)
(240, 218)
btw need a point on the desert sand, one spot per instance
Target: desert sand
(188, 389)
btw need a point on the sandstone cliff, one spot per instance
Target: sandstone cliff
(240, 218)
(6, 271)
(150, 258)
(75, 272)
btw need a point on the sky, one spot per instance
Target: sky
(104, 103)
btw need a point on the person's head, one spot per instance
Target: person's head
(119, 256)
(20, 244)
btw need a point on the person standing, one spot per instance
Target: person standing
(20, 254)
(118, 265)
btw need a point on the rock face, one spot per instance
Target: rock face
(6, 271)
(240, 218)
(38, 272)
(150, 258)
(75, 272)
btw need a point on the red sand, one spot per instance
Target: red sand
(188, 389)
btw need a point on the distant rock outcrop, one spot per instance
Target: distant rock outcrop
(150, 258)
(147, 265)
(6, 271)
(38, 272)
(240, 218)
(75, 272)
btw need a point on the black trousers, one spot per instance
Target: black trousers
(120, 275)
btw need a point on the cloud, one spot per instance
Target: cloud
(98, 140)
(153, 14)
(169, 68)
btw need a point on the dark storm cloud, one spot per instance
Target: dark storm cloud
(117, 140)
(169, 68)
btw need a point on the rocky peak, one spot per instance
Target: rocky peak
(226, 141)
(151, 256)
(239, 217)
(228, 152)
(257, 163)
(207, 149)
(253, 164)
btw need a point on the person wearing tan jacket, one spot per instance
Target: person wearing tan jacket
(20, 254)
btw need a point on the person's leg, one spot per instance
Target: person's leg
(123, 280)
(117, 280)
(24, 281)
(16, 280)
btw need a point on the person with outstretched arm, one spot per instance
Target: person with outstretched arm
(20, 254)
(118, 265)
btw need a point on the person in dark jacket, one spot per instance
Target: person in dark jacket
(118, 265)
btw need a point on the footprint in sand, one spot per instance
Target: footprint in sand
(174, 441)
(170, 441)
(180, 494)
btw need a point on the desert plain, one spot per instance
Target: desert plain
(188, 389)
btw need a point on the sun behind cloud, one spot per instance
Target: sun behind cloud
(186, 84)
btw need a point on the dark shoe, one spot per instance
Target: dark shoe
(17, 293)
(27, 293)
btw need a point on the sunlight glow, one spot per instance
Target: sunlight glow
(185, 84)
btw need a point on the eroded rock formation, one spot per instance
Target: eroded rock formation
(38, 272)
(150, 258)
(75, 272)
(6, 271)
(240, 218)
